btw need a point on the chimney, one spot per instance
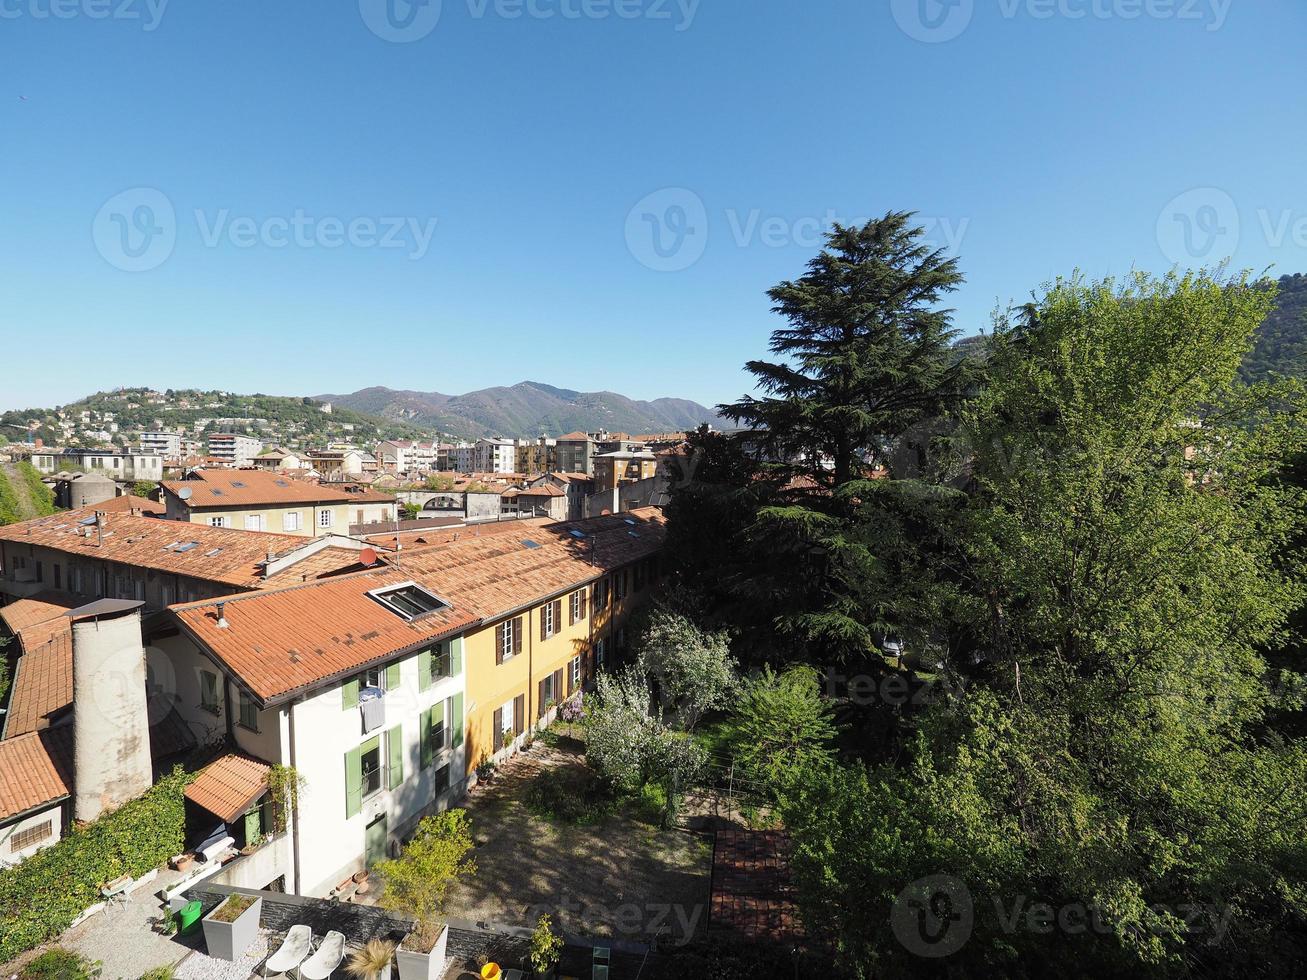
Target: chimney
(111, 725)
(222, 615)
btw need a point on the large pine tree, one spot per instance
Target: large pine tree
(866, 353)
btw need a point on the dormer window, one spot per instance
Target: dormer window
(409, 600)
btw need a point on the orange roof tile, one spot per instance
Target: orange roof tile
(227, 786)
(35, 769)
(281, 641)
(544, 490)
(43, 684)
(129, 502)
(35, 609)
(574, 437)
(244, 488)
(222, 555)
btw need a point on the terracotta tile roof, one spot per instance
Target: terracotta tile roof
(752, 896)
(129, 502)
(35, 769)
(39, 608)
(248, 488)
(281, 641)
(574, 437)
(571, 477)
(42, 685)
(435, 534)
(544, 490)
(227, 786)
(144, 542)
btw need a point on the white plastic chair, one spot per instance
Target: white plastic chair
(324, 962)
(297, 945)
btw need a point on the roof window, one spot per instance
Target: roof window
(409, 600)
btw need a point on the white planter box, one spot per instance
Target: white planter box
(423, 966)
(229, 940)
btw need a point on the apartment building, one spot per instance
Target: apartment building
(535, 456)
(407, 456)
(128, 466)
(234, 449)
(572, 453)
(255, 500)
(615, 469)
(279, 458)
(165, 444)
(339, 464)
(495, 456)
(386, 704)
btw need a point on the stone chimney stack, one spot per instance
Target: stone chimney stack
(111, 724)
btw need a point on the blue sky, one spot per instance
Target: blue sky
(296, 197)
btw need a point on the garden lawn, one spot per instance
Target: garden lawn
(618, 876)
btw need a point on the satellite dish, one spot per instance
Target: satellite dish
(184, 493)
(368, 556)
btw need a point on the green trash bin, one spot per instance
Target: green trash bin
(188, 918)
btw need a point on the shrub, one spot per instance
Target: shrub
(569, 794)
(60, 964)
(40, 897)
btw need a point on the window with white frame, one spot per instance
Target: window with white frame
(325, 518)
(548, 613)
(506, 638)
(254, 522)
(217, 522)
(601, 649)
(576, 672)
(290, 521)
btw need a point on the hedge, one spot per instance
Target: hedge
(42, 896)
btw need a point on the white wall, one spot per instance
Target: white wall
(8, 855)
(331, 845)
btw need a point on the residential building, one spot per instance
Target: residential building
(338, 464)
(535, 456)
(612, 470)
(575, 486)
(543, 500)
(368, 506)
(406, 456)
(128, 466)
(463, 457)
(572, 453)
(165, 444)
(278, 458)
(496, 456)
(254, 500)
(234, 449)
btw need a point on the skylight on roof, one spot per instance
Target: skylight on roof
(215, 491)
(85, 521)
(528, 543)
(281, 483)
(409, 600)
(213, 554)
(237, 483)
(576, 533)
(629, 520)
(188, 546)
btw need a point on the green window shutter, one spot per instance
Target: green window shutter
(457, 719)
(349, 694)
(353, 781)
(424, 735)
(395, 744)
(392, 677)
(456, 656)
(424, 670)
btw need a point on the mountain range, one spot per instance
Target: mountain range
(529, 408)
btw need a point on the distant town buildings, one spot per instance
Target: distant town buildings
(233, 448)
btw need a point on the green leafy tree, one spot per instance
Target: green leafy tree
(417, 882)
(783, 723)
(693, 669)
(440, 482)
(143, 488)
(1128, 555)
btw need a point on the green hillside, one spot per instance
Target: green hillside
(22, 494)
(1280, 344)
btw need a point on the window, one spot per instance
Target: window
(57, 576)
(372, 771)
(409, 600)
(620, 578)
(249, 713)
(601, 594)
(508, 639)
(290, 521)
(575, 671)
(548, 626)
(601, 650)
(31, 835)
(325, 518)
(217, 522)
(577, 606)
(442, 664)
(547, 692)
(254, 522)
(376, 677)
(209, 691)
(442, 778)
(439, 729)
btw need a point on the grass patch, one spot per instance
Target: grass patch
(60, 964)
(569, 794)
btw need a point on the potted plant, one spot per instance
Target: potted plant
(546, 949)
(416, 882)
(231, 928)
(485, 771)
(372, 962)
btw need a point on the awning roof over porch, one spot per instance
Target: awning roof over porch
(227, 786)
